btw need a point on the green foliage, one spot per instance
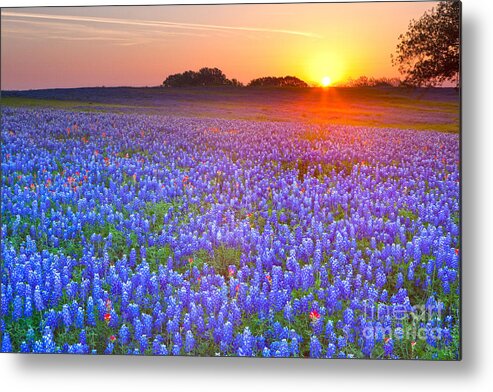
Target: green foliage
(224, 257)
(157, 256)
(339, 214)
(158, 211)
(82, 106)
(408, 214)
(363, 244)
(220, 259)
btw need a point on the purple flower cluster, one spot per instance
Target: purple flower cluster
(159, 235)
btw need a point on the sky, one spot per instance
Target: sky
(141, 45)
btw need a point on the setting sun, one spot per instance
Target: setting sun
(326, 81)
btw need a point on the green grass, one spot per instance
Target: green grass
(220, 259)
(157, 256)
(157, 211)
(60, 104)
(407, 214)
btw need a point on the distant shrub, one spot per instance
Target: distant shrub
(272, 81)
(364, 81)
(204, 77)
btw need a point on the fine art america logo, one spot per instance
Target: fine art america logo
(403, 321)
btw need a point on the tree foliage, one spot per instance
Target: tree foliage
(428, 53)
(272, 81)
(204, 77)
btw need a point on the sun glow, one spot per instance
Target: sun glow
(326, 81)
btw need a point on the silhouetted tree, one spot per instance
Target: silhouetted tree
(272, 81)
(428, 53)
(204, 77)
(236, 83)
(364, 81)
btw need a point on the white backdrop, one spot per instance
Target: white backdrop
(76, 373)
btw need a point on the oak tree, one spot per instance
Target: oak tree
(428, 53)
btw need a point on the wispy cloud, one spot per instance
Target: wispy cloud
(155, 23)
(36, 29)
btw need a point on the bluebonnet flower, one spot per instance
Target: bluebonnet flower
(227, 335)
(67, 318)
(341, 342)
(48, 343)
(163, 350)
(189, 342)
(388, 347)
(178, 340)
(246, 345)
(329, 331)
(83, 337)
(79, 318)
(317, 325)
(306, 277)
(348, 316)
(288, 313)
(57, 288)
(52, 319)
(18, 311)
(176, 350)
(124, 334)
(143, 343)
(400, 280)
(381, 279)
(156, 345)
(315, 347)
(331, 350)
(24, 348)
(6, 343)
(28, 307)
(284, 348)
(109, 348)
(90, 312)
(132, 258)
(295, 347)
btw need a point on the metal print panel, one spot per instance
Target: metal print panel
(261, 180)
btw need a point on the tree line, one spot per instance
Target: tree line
(205, 77)
(215, 77)
(364, 81)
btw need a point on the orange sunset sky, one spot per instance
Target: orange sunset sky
(141, 45)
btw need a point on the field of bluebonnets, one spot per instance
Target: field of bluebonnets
(141, 234)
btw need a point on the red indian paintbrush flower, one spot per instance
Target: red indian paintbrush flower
(314, 315)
